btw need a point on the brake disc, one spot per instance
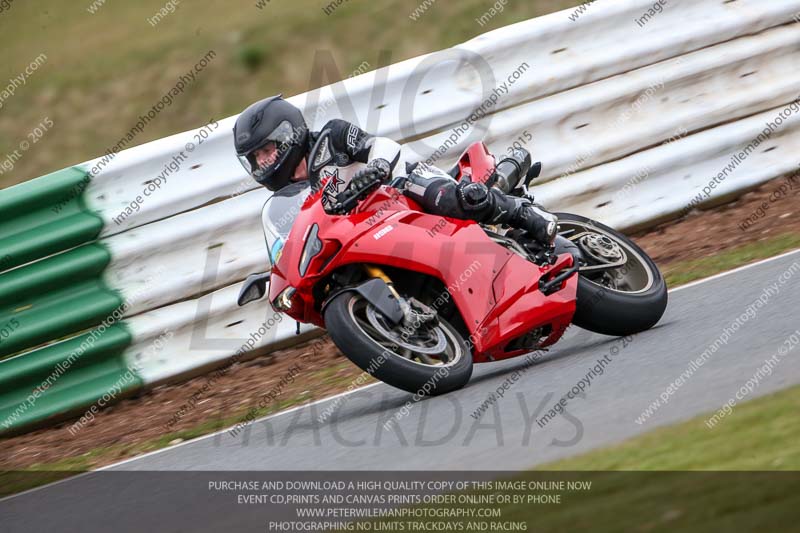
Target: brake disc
(601, 248)
(401, 336)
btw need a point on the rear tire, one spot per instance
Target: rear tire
(608, 311)
(351, 337)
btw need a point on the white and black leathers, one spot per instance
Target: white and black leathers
(349, 149)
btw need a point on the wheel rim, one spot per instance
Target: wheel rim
(612, 262)
(429, 346)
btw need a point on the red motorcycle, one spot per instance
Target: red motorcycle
(415, 299)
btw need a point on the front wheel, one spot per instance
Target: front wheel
(620, 289)
(427, 359)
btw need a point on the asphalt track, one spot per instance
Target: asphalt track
(441, 433)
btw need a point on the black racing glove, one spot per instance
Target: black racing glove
(362, 183)
(374, 173)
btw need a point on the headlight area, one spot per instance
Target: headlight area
(289, 300)
(285, 300)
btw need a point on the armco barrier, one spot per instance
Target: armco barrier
(96, 306)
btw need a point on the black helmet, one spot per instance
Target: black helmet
(273, 120)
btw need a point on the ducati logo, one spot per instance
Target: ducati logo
(382, 232)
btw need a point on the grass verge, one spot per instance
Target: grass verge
(683, 272)
(760, 434)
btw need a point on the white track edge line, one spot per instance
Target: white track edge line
(735, 270)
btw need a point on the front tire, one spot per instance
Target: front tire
(622, 301)
(378, 353)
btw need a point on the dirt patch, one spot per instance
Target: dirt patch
(125, 428)
(166, 411)
(705, 233)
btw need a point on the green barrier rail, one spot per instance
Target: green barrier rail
(45, 216)
(52, 289)
(54, 297)
(64, 378)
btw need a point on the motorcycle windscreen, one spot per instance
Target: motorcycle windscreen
(279, 214)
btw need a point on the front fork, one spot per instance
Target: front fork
(377, 272)
(374, 271)
(410, 315)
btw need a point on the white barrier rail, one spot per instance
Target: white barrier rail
(421, 96)
(709, 72)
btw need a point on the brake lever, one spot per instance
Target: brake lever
(350, 200)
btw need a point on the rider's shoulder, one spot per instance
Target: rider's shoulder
(346, 136)
(336, 125)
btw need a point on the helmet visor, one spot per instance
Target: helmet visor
(264, 161)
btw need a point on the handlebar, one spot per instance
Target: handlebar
(511, 170)
(348, 199)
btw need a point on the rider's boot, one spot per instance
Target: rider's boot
(522, 213)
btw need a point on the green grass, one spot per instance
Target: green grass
(105, 69)
(647, 501)
(761, 434)
(684, 272)
(668, 501)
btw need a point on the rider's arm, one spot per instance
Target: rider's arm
(361, 146)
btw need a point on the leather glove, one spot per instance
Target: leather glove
(365, 180)
(375, 172)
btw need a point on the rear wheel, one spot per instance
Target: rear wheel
(620, 289)
(428, 358)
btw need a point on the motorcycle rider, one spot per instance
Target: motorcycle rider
(273, 142)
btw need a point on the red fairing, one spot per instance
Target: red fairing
(477, 162)
(495, 290)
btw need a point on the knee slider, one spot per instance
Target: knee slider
(473, 196)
